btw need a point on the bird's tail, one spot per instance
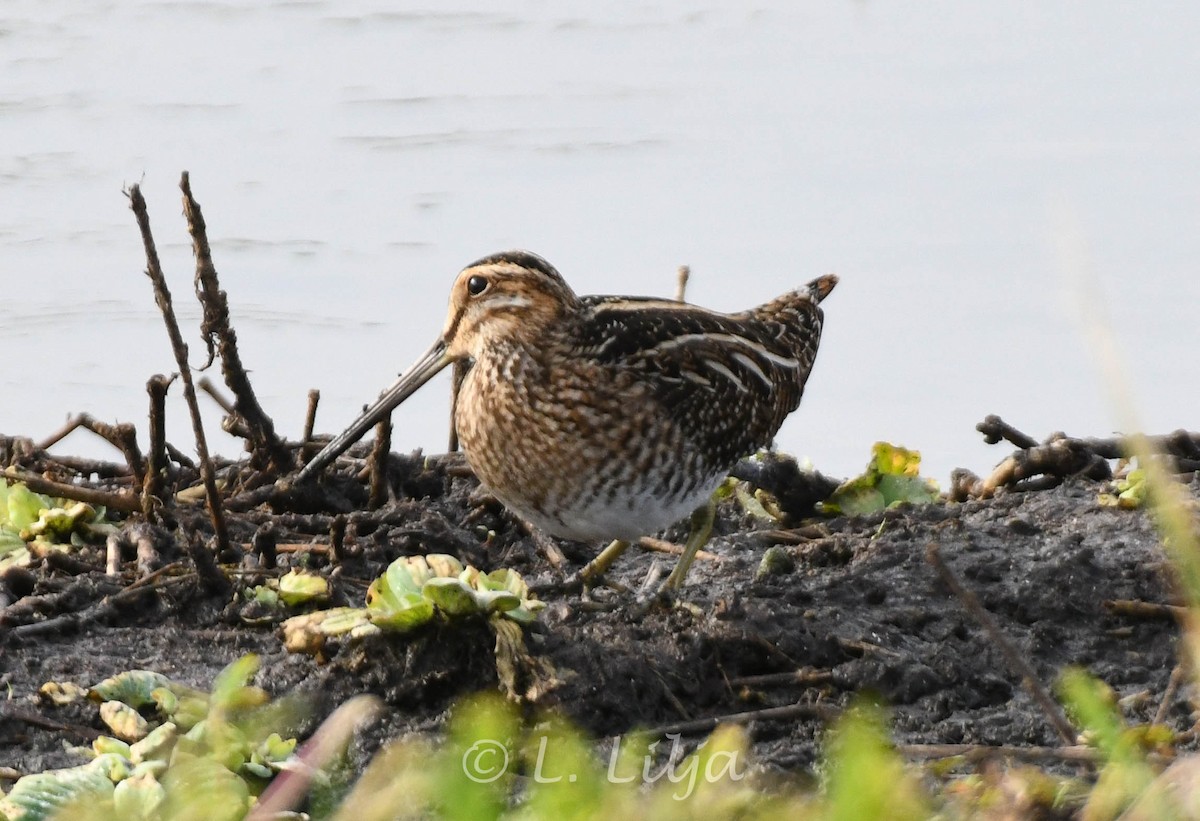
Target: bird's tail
(820, 287)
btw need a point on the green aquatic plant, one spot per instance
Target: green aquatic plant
(198, 755)
(892, 477)
(33, 524)
(1129, 492)
(412, 592)
(416, 591)
(295, 588)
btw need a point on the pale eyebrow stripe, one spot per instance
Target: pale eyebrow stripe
(508, 301)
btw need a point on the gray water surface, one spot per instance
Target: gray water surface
(352, 156)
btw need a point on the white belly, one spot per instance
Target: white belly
(625, 513)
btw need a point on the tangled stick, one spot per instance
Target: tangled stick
(162, 296)
(266, 446)
(1036, 466)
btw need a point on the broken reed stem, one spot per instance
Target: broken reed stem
(337, 539)
(266, 447)
(310, 416)
(681, 282)
(124, 502)
(264, 544)
(379, 462)
(1012, 656)
(212, 580)
(156, 462)
(162, 296)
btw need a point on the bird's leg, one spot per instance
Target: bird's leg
(594, 570)
(701, 529)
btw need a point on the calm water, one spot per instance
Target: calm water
(352, 156)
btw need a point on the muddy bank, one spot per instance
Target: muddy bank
(852, 605)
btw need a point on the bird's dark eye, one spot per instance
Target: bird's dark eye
(476, 285)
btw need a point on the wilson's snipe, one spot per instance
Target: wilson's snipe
(606, 417)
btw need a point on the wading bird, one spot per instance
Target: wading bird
(607, 417)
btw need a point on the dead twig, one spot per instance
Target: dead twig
(267, 449)
(162, 296)
(995, 429)
(179, 457)
(1057, 459)
(148, 580)
(102, 609)
(82, 467)
(858, 647)
(661, 546)
(123, 437)
(67, 564)
(802, 676)
(1012, 656)
(1060, 456)
(124, 502)
(668, 694)
(796, 535)
(1160, 715)
(549, 549)
(1134, 608)
(790, 712)
(205, 384)
(13, 713)
(1077, 753)
(66, 430)
(1074, 752)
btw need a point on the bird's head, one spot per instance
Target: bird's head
(512, 296)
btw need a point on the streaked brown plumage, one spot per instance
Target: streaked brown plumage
(607, 417)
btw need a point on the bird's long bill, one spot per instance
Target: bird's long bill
(421, 372)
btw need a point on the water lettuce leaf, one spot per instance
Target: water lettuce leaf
(892, 477)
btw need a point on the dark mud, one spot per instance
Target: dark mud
(857, 607)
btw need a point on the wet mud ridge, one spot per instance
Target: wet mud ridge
(846, 605)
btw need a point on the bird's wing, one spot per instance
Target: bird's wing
(728, 380)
